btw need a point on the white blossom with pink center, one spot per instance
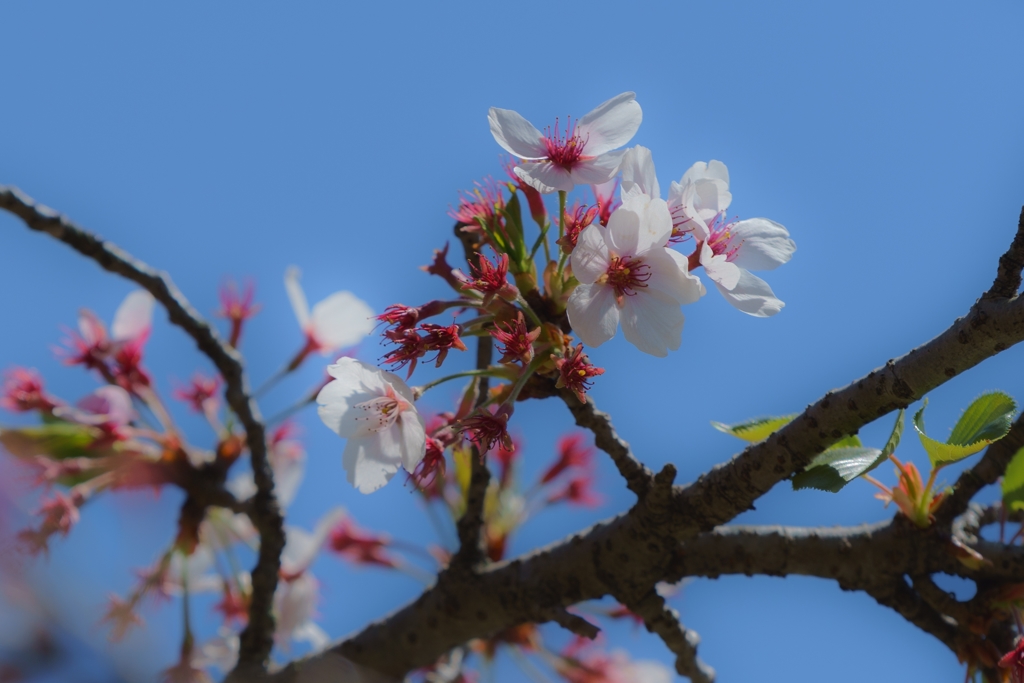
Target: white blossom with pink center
(339, 321)
(628, 276)
(728, 250)
(374, 410)
(700, 196)
(731, 250)
(583, 154)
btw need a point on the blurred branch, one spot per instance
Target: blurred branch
(662, 620)
(469, 527)
(257, 638)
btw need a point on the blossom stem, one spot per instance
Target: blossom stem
(487, 372)
(534, 318)
(542, 239)
(871, 480)
(526, 374)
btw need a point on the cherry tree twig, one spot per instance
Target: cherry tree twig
(257, 638)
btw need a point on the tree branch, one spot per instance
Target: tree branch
(662, 620)
(257, 638)
(638, 477)
(470, 526)
(1008, 275)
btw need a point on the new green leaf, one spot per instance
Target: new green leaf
(836, 467)
(755, 430)
(1013, 482)
(987, 419)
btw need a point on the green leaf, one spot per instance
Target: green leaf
(57, 440)
(896, 435)
(987, 419)
(845, 461)
(837, 467)
(755, 430)
(1013, 482)
(852, 441)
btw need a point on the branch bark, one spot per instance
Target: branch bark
(257, 638)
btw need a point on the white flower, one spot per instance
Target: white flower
(133, 319)
(340, 320)
(729, 251)
(698, 198)
(629, 276)
(582, 156)
(374, 410)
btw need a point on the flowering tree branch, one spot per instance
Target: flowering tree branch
(256, 639)
(629, 554)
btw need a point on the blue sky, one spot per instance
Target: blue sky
(237, 139)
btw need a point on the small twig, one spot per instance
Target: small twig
(574, 623)
(470, 525)
(638, 477)
(1008, 275)
(663, 621)
(257, 638)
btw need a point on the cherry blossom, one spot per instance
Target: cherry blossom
(93, 347)
(339, 321)
(582, 154)
(629, 276)
(374, 410)
(698, 198)
(732, 248)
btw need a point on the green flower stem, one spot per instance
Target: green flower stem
(527, 373)
(488, 372)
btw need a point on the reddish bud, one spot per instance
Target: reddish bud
(480, 205)
(440, 268)
(359, 546)
(237, 307)
(487, 429)
(575, 371)
(429, 473)
(491, 279)
(572, 452)
(578, 491)
(201, 392)
(517, 342)
(580, 218)
(22, 391)
(1014, 661)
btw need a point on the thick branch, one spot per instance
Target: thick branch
(257, 639)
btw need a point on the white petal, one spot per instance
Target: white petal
(134, 317)
(623, 231)
(371, 462)
(310, 632)
(598, 170)
(296, 296)
(545, 176)
(243, 486)
(412, 435)
(593, 314)
(670, 274)
(355, 382)
(713, 170)
(341, 320)
(638, 172)
(753, 296)
(301, 547)
(295, 603)
(645, 671)
(655, 225)
(515, 134)
(590, 257)
(719, 269)
(288, 474)
(763, 244)
(652, 322)
(610, 124)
